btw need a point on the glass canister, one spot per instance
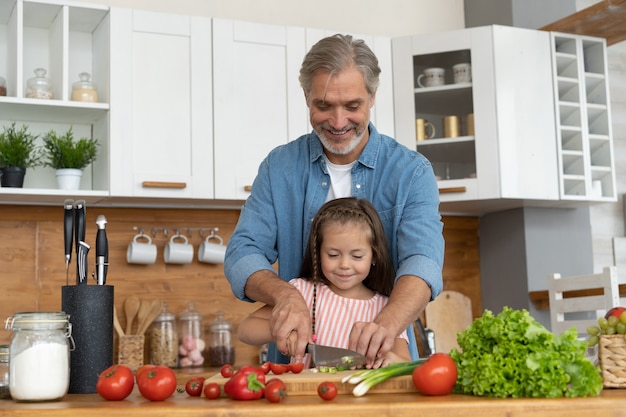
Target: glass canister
(3, 87)
(221, 349)
(39, 356)
(84, 90)
(39, 86)
(191, 341)
(4, 372)
(163, 339)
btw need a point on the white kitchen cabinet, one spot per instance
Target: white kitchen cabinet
(64, 38)
(161, 141)
(584, 139)
(258, 102)
(510, 157)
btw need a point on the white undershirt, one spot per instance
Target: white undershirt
(340, 180)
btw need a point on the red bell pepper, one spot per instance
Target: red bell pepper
(248, 383)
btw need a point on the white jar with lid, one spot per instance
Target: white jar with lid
(39, 358)
(84, 90)
(39, 86)
(191, 341)
(163, 339)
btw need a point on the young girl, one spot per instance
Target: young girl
(347, 277)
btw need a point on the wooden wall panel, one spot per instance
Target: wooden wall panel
(32, 262)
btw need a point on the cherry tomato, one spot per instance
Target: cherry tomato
(212, 390)
(227, 370)
(265, 367)
(157, 384)
(296, 367)
(327, 390)
(437, 376)
(143, 369)
(115, 383)
(275, 390)
(278, 368)
(194, 386)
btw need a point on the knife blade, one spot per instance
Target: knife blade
(68, 235)
(82, 259)
(334, 357)
(79, 232)
(102, 251)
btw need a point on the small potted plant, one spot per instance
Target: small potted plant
(18, 151)
(68, 157)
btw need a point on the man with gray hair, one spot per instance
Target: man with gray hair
(343, 156)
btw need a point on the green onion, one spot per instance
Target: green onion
(368, 378)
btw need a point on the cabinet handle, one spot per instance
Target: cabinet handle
(163, 184)
(452, 190)
(247, 188)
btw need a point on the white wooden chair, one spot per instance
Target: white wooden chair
(581, 307)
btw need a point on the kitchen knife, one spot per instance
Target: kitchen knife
(83, 251)
(79, 232)
(68, 234)
(334, 357)
(102, 251)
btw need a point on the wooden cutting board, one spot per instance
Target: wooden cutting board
(307, 381)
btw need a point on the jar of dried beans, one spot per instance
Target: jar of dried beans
(163, 339)
(221, 349)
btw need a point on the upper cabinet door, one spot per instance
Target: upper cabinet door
(258, 102)
(161, 117)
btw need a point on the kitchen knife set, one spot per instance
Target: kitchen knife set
(74, 228)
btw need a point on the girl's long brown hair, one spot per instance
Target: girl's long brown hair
(343, 211)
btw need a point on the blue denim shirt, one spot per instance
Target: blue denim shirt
(292, 184)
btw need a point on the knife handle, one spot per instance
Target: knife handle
(102, 255)
(79, 222)
(68, 229)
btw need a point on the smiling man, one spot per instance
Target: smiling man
(343, 156)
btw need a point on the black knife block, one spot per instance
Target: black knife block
(90, 310)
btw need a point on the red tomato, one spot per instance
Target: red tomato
(115, 383)
(212, 390)
(194, 386)
(157, 384)
(327, 390)
(437, 376)
(265, 367)
(143, 369)
(278, 368)
(615, 311)
(275, 390)
(227, 371)
(296, 367)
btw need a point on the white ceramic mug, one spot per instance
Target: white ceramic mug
(178, 252)
(144, 253)
(432, 77)
(211, 252)
(462, 73)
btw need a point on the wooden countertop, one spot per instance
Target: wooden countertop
(609, 403)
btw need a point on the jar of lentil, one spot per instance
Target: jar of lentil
(39, 356)
(163, 339)
(221, 349)
(4, 372)
(191, 341)
(84, 90)
(39, 86)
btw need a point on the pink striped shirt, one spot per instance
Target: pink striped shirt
(335, 315)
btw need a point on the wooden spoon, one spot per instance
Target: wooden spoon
(144, 309)
(116, 323)
(155, 310)
(131, 307)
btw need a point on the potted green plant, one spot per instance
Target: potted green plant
(18, 151)
(68, 157)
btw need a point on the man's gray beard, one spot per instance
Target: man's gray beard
(328, 145)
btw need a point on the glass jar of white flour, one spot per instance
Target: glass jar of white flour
(39, 363)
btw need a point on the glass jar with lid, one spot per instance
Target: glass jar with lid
(221, 349)
(39, 86)
(191, 341)
(84, 90)
(39, 356)
(4, 372)
(163, 339)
